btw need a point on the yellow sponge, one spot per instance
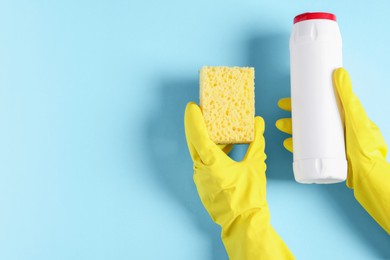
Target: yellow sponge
(227, 101)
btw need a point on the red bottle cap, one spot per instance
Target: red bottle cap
(311, 16)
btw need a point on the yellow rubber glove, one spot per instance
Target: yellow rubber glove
(233, 193)
(368, 171)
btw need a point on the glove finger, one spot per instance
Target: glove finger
(256, 148)
(358, 124)
(285, 104)
(288, 144)
(284, 125)
(199, 144)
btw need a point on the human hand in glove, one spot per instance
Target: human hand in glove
(368, 170)
(234, 193)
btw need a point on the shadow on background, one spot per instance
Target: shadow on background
(269, 54)
(358, 220)
(165, 130)
(171, 159)
(164, 134)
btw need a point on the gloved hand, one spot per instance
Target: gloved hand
(368, 171)
(233, 193)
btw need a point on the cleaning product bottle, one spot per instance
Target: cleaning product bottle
(318, 134)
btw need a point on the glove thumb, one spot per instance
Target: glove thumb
(256, 148)
(363, 138)
(359, 129)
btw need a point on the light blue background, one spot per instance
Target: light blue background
(93, 159)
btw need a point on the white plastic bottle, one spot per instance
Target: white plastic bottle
(318, 134)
